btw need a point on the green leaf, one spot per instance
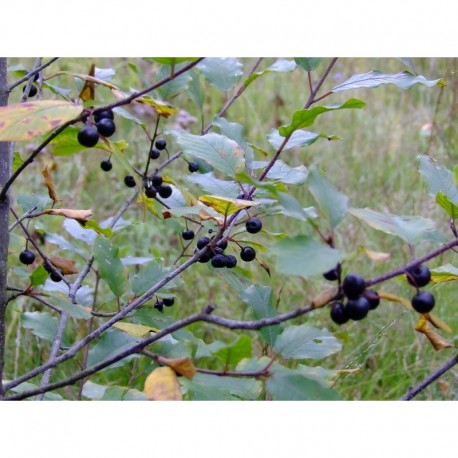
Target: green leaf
(445, 273)
(149, 276)
(298, 138)
(38, 276)
(66, 143)
(219, 151)
(126, 115)
(283, 172)
(332, 202)
(123, 393)
(78, 232)
(42, 324)
(306, 342)
(24, 121)
(221, 72)
(234, 131)
(230, 354)
(27, 386)
(196, 91)
(438, 178)
(305, 118)
(288, 385)
(412, 229)
(174, 87)
(201, 391)
(111, 343)
(212, 185)
(29, 201)
(17, 161)
(259, 298)
(403, 80)
(281, 65)
(171, 60)
(304, 256)
(64, 244)
(308, 63)
(110, 265)
(74, 310)
(92, 224)
(450, 208)
(293, 208)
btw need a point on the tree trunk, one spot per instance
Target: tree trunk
(5, 172)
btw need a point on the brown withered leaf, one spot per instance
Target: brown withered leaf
(264, 265)
(205, 216)
(375, 256)
(79, 215)
(182, 366)
(437, 322)
(162, 385)
(88, 91)
(437, 341)
(324, 297)
(67, 266)
(49, 184)
(444, 387)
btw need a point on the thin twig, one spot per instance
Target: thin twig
(23, 217)
(29, 84)
(430, 379)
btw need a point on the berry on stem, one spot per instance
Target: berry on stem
(159, 305)
(203, 241)
(165, 191)
(161, 144)
(106, 127)
(253, 225)
(419, 276)
(129, 181)
(27, 257)
(88, 136)
(168, 301)
(104, 114)
(333, 274)
(106, 165)
(423, 302)
(219, 260)
(33, 90)
(187, 234)
(150, 192)
(247, 254)
(353, 285)
(156, 180)
(358, 308)
(54, 276)
(339, 313)
(231, 261)
(373, 298)
(154, 153)
(193, 167)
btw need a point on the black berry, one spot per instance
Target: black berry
(27, 257)
(106, 127)
(48, 267)
(333, 274)
(54, 276)
(161, 144)
(168, 301)
(193, 167)
(223, 245)
(204, 257)
(373, 298)
(353, 285)
(358, 308)
(203, 241)
(419, 276)
(129, 181)
(248, 254)
(423, 302)
(243, 197)
(106, 165)
(32, 92)
(154, 153)
(88, 136)
(156, 180)
(188, 234)
(218, 250)
(219, 260)
(253, 225)
(105, 114)
(164, 191)
(159, 305)
(150, 192)
(231, 261)
(339, 313)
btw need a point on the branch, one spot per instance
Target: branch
(54, 350)
(433, 377)
(32, 72)
(23, 217)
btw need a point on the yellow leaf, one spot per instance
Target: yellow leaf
(375, 256)
(67, 266)
(24, 121)
(160, 107)
(88, 91)
(437, 322)
(205, 216)
(324, 297)
(136, 330)
(182, 366)
(437, 341)
(162, 385)
(393, 298)
(79, 215)
(49, 184)
(90, 79)
(226, 206)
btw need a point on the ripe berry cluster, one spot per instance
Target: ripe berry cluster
(154, 186)
(167, 301)
(89, 135)
(359, 300)
(423, 301)
(214, 253)
(27, 257)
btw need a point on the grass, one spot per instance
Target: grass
(373, 163)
